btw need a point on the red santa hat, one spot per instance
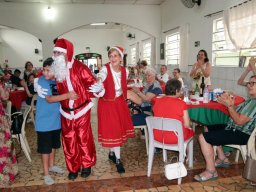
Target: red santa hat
(119, 49)
(64, 46)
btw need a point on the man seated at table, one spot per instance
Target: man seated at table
(7, 77)
(15, 78)
(177, 75)
(237, 131)
(163, 77)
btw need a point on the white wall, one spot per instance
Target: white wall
(18, 47)
(28, 17)
(139, 37)
(175, 14)
(96, 39)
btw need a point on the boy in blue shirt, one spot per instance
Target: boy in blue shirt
(48, 124)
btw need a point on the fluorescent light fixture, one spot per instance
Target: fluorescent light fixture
(98, 24)
(49, 13)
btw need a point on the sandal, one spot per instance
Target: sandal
(202, 178)
(222, 163)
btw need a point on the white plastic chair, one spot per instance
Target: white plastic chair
(241, 148)
(167, 124)
(22, 136)
(33, 108)
(144, 127)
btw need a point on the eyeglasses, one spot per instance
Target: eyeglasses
(251, 83)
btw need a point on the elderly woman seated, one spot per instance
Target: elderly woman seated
(237, 131)
(171, 106)
(143, 98)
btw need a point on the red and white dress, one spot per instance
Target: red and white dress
(114, 119)
(170, 107)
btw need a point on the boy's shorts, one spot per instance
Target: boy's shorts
(46, 141)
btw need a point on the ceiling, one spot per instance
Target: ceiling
(123, 2)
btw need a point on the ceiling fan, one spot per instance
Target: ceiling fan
(191, 3)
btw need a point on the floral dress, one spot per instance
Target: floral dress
(8, 161)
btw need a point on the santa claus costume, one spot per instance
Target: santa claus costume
(114, 120)
(77, 138)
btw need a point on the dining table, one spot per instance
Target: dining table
(16, 97)
(212, 112)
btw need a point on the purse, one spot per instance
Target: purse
(17, 120)
(174, 170)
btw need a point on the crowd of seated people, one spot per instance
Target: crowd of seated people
(14, 80)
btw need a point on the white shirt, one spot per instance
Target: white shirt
(182, 83)
(164, 77)
(116, 76)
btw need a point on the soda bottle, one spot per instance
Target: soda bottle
(206, 95)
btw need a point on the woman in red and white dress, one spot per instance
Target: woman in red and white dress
(114, 120)
(171, 106)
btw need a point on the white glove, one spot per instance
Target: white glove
(100, 94)
(96, 88)
(40, 91)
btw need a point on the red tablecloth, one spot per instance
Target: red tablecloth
(16, 97)
(216, 105)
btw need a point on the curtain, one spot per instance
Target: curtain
(240, 24)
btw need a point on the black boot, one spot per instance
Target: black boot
(112, 157)
(72, 176)
(85, 172)
(119, 166)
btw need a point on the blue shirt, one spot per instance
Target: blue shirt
(155, 88)
(47, 114)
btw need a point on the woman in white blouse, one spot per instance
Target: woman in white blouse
(114, 120)
(202, 68)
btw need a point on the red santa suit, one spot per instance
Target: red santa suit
(114, 119)
(77, 138)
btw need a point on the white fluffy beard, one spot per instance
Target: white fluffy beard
(60, 69)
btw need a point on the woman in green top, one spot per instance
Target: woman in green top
(237, 131)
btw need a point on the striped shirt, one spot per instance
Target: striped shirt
(247, 108)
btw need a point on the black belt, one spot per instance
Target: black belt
(73, 109)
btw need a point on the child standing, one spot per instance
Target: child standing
(48, 125)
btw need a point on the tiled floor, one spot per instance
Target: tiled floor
(105, 178)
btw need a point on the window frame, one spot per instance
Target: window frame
(147, 50)
(240, 57)
(170, 46)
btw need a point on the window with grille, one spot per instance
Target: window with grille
(147, 51)
(133, 54)
(223, 52)
(172, 49)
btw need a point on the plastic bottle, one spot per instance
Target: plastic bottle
(186, 94)
(206, 95)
